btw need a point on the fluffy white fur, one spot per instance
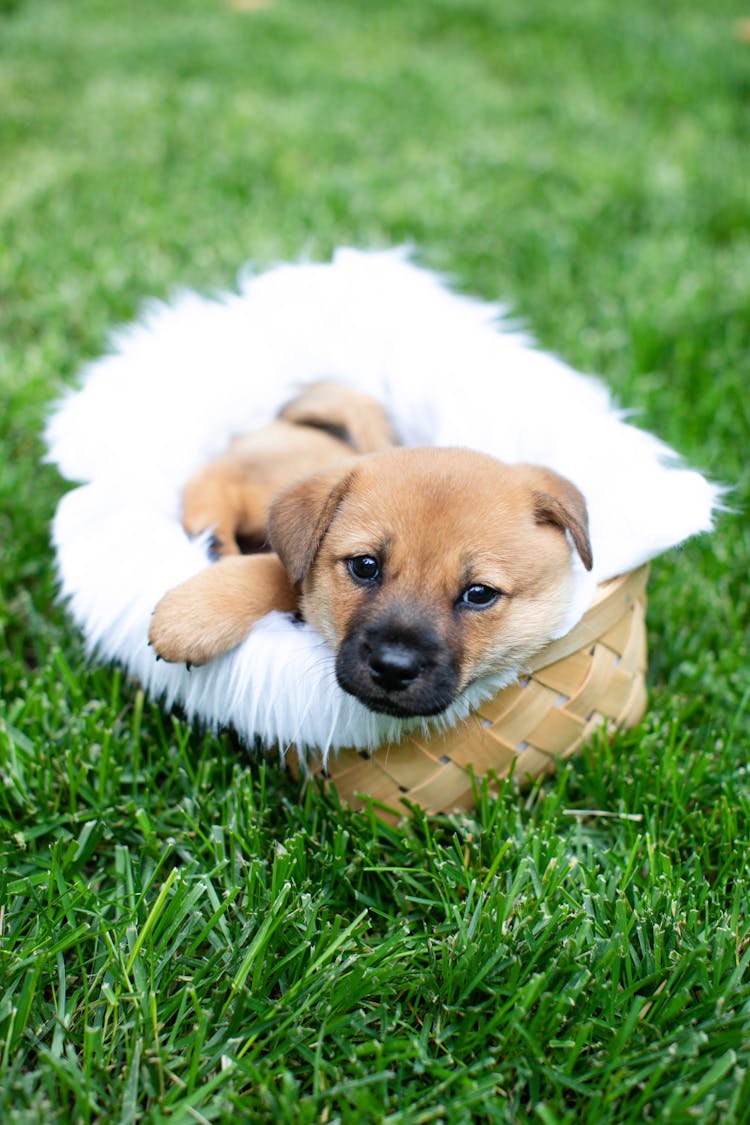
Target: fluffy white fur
(178, 384)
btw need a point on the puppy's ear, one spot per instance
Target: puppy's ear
(300, 516)
(557, 501)
(355, 418)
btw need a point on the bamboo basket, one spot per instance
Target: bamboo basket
(592, 678)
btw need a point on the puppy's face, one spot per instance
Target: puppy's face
(426, 569)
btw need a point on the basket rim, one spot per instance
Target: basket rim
(611, 600)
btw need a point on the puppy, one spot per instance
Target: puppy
(424, 569)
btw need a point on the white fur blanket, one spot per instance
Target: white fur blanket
(192, 373)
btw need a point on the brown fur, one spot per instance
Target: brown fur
(438, 521)
(232, 494)
(215, 610)
(324, 425)
(355, 418)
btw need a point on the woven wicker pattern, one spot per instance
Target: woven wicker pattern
(593, 677)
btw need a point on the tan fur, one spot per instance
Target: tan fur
(233, 493)
(362, 421)
(215, 610)
(438, 521)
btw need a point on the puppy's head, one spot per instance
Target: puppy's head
(426, 569)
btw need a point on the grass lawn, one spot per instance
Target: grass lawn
(186, 937)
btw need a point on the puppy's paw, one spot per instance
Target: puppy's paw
(181, 632)
(222, 542)
(210, 501)
(215, 610)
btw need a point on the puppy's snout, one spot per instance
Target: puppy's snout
(397, 666)
(394, 664)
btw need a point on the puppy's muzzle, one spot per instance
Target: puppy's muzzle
(397, 668)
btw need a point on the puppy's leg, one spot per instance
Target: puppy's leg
(215, 610)
(221, 497)
(353, 417)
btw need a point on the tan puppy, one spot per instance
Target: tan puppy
(424, 569)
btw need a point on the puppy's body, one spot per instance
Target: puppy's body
(322, 427)
(233, 494)
(426, 570)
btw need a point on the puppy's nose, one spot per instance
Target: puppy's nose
(394, 665)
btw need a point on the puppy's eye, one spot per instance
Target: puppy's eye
(364, 568)
(479, 597)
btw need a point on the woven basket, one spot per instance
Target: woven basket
(591, 678)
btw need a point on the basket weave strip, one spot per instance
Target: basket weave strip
(591, 678)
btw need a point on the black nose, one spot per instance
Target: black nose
(394, 665)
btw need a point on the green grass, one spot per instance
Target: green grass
(184, 936)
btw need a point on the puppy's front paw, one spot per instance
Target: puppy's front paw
(181, 632)
(215, 610)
